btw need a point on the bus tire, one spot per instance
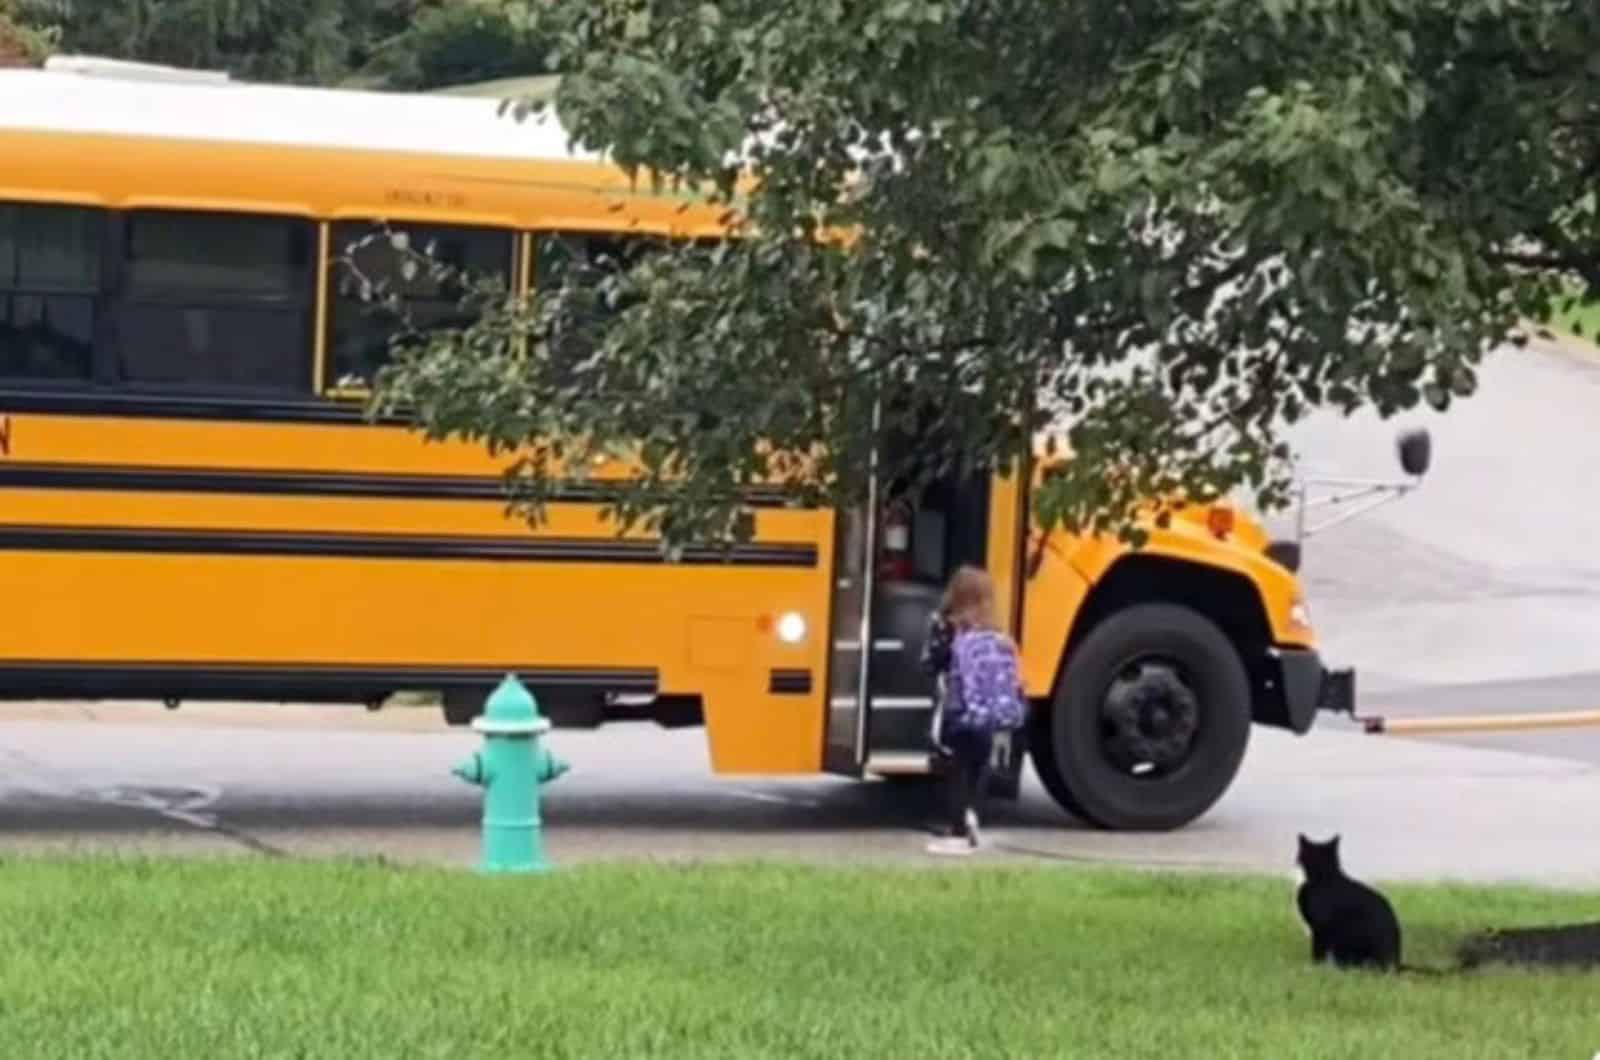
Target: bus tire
(1150, 722)
(1041, 748)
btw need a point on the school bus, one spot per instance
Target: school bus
(194, 507)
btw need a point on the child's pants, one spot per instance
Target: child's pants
(968, 766)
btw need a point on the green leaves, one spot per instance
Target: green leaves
(405, 44)
(1168, 230)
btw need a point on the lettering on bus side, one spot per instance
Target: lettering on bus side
(418, 197)
(5, 435)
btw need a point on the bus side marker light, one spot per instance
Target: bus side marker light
(792, 627)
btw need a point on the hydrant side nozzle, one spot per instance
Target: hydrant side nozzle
(551, 767)
(471, 770)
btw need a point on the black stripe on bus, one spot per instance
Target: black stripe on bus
(789, 683)
(290, 682)
(226, 407)
(392, 546)
(375, 485)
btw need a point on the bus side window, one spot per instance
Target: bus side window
(585, 259)
(591, 255)
(49, 291)
(360, 329)
(216, 300)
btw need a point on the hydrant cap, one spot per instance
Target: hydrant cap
(511, 709)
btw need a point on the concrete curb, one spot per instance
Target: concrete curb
(1543, 339)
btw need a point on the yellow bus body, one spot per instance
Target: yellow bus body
(181, 543)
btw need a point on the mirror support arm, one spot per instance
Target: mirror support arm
(1415, 449)
(1364, 495)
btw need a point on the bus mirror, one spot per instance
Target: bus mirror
(1416, 451)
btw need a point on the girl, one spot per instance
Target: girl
(967, 611)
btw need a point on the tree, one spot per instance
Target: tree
(1170, 227)
(22, 43)
(398, 44)
(273, 40)
(462, 42)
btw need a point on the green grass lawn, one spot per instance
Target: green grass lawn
(1581, 320)
(235, 959)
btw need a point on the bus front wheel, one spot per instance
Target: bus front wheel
(1150, 723)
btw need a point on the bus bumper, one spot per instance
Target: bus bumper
(1309, 686)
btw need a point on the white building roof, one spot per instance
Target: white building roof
(96, 96)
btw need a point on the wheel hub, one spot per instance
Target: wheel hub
(1150, 716)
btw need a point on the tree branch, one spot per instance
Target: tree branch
(1550, 262)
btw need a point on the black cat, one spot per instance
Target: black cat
(1351, 924)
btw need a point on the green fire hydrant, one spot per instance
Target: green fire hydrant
(511, 768)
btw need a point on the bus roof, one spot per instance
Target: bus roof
(85, 97)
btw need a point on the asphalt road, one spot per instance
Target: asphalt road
(1490, 571)
(310, 782)
(1555, 695)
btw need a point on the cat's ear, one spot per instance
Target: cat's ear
(1334, 842)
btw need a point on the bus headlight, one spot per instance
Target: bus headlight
(792, 627)
(1300, 614)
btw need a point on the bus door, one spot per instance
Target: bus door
(849, 630)
(893, 557)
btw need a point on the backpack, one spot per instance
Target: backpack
(985, 689)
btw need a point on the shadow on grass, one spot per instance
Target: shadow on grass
(1558, 946)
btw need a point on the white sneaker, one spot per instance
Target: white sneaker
(973, 838)
(951, 846)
